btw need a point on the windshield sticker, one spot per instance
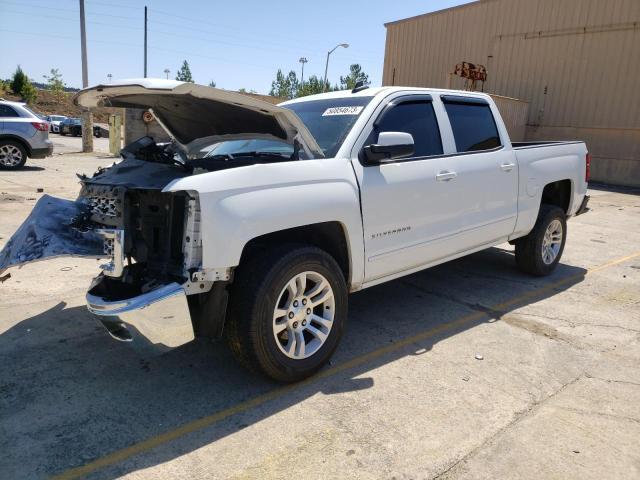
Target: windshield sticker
(342, 111)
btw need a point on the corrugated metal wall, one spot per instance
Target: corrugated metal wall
(514, 113)
(577, 63)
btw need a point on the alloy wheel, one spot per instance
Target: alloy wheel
(303, 315)
(10, 155)
(552, 241)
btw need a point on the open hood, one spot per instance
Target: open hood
(196, 116)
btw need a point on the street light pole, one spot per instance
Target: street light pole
(145, 41)
(326, 65)
(302, 60)
(87, 117)
(166, 72)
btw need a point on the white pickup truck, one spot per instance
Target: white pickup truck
(256, 221)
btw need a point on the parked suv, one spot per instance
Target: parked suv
(22, 134)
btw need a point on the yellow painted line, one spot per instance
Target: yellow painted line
(166, 437)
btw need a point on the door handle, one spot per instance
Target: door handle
(445, 176)
(507, 167)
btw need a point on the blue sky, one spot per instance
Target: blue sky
(237, 44)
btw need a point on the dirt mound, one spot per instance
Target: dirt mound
(50, 104)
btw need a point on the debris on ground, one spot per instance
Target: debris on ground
(479, 357)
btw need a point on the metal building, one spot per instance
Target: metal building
(577, 63)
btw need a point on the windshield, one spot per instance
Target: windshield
(55, 118)
(329, 121)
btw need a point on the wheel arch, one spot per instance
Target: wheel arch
(558, 193)
(17, 139)
(328, 236)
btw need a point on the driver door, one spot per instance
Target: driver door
(408, 206)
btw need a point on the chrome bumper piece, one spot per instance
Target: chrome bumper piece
(161, 315)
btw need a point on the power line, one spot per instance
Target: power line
(258, 45)
(161, 32)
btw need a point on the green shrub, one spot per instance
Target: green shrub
(29, 93)
(18, 81)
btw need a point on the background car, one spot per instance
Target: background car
(71, 126)
(22, 134)
(54, 122)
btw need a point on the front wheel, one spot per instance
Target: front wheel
(539, 252)
(287, 313)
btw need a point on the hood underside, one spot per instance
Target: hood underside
(195, 115)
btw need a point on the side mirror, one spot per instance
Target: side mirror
(390, 146)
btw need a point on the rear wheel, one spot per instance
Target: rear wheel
(287, 312)
(12, 155)
(539, 252)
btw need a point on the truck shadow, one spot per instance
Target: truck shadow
(71, 395)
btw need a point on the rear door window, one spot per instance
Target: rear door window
(7, 111)
(416, 118)
(472, 122)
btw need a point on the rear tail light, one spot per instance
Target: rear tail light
(587, 169)
(42, 126)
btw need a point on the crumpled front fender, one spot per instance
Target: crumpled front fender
(55, 227)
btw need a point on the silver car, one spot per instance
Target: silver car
(22, 134)
(54, 122)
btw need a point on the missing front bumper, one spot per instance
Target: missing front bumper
(161, 315)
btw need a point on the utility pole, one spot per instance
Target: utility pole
(166, 72)
(145, 41)
(87, 117)
(302, 60)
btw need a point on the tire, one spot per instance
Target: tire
(260, 285)
(62, 133)
(13, 155)
(533, 253)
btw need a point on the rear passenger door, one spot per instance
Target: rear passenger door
(486, 172)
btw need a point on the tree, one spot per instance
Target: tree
(355, 75)
(184, 74)
(29, 93)
(212, 83)
(18, 81)
(55, 83)
(311, 86)
(284, 86)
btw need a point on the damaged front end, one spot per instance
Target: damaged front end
(153, 278)
(153, 246)
(150, 241)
